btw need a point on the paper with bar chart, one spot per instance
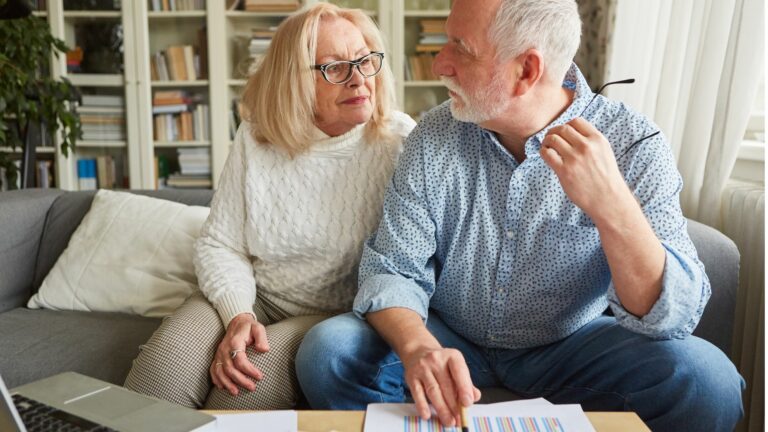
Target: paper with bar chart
(519, 416)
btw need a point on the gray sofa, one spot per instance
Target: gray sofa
(35, 227)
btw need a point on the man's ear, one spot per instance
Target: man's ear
(530, 69)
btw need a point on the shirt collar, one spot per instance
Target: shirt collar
(574, 80)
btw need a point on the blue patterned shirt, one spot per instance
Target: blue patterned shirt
(500, 253)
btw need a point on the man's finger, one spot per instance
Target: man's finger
(435, 395)
(573, 137)
(459, 371)
(450, 396)
(584, 127)
(550, 156)
(422, 406)
(560, 145)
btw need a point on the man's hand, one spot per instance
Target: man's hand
(229, 371)
(440, 376)
(585, 164)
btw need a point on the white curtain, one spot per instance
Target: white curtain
(698, 64)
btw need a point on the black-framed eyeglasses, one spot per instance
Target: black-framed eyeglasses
(631, 146)
(340, 71)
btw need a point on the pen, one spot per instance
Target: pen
(464, 420)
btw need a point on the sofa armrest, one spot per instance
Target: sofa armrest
(721, 261)
(22, 218)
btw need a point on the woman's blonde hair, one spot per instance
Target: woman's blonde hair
(279, 98)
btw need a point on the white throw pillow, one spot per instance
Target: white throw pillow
(130, 254)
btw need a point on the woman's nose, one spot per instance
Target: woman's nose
(357, 78)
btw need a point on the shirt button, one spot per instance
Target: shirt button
(500, 290)
(510, 234)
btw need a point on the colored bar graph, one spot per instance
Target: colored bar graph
(488, 424)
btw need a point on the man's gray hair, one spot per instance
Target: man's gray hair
(553, 27)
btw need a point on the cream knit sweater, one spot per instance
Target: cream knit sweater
(294, 228)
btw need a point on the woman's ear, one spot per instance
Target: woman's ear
(529, 70)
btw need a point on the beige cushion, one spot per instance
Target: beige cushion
(130, 254)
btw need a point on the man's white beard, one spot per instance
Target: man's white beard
(486, 104)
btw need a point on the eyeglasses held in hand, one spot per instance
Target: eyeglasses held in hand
(340, 72)
(626, 81)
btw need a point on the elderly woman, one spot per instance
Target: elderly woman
(300, 192)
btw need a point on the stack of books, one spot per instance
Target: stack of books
(102, 118)
(176, 63)
(180, 117)
(195, 161)
(261, 37)
(431, 41)
(271, 5)
(177, 5)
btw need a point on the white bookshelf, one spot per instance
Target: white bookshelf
(146, 31)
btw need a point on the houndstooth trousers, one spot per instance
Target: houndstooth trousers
(174, 364)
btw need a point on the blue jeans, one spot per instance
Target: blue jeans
(673, 385)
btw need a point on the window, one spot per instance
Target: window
(751, 161)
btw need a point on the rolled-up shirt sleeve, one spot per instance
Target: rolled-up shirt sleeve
(397, 268)
(656, 183)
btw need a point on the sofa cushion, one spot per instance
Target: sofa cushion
(130, 254)
(70, 208)
(40, 343)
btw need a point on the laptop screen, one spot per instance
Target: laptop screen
(9, 417)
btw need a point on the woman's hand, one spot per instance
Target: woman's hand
(231, 367)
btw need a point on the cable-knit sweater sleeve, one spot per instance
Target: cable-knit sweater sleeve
(222, 261)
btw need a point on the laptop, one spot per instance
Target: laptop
(70, 401)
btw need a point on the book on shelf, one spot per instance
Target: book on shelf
(432, 25)
(176, 5)
(103, 100)
(99, 172)
(189, 181)
(271, 5)
(428, 48)
(419, 67)
(74, 60)
(189, 125)
(176, 63)
(44, 176)
(202, 53)
(86, 174)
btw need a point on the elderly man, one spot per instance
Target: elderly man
(519, 212)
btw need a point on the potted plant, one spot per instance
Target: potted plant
(28, 93)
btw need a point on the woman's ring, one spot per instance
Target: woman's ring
(233, 353)
(219, 364)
